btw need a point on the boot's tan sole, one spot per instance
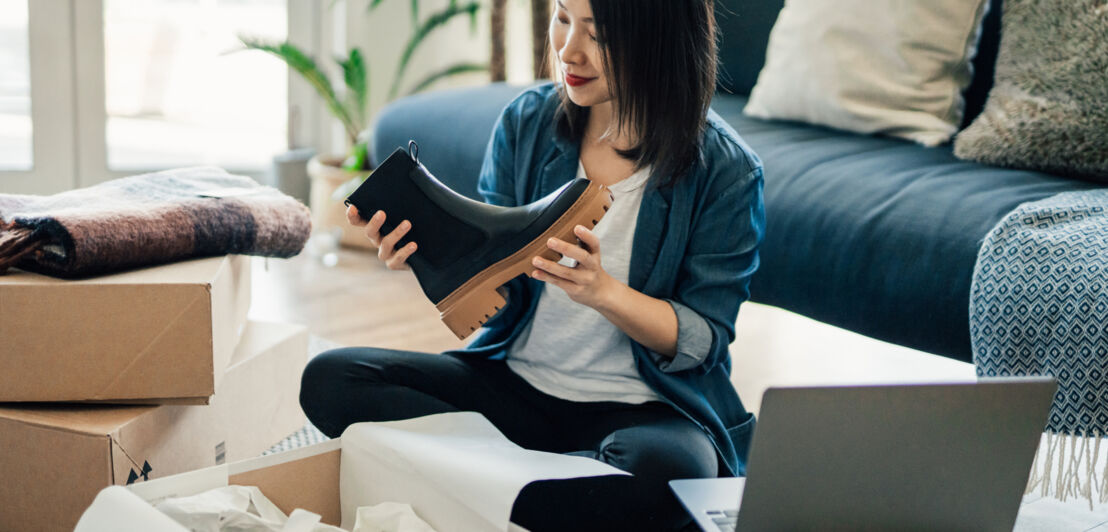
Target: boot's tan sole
(469, 306)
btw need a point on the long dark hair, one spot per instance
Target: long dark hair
(660, 60)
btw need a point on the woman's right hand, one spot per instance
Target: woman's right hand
(395, 259)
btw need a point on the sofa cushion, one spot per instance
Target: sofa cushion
(744, 27)
(876, 235)
(1047, 109)
(898, 71)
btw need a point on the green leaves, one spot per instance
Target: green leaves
(357, 160)
(435, 20)
(352, 112)
(355, 72)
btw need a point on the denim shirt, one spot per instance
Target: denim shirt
(695, 246)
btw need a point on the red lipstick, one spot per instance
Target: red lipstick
(576, 81)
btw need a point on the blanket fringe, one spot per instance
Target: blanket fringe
(15, 243)
(1070, 466)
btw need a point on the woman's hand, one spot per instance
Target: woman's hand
(586, 283)
(395, 259)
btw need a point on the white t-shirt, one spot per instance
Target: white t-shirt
(571, 351)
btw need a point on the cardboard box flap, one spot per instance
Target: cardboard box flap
(142, 447)
(262, 337)
(80, 419)
(275, 376)
(306, 478)
(310, 482)
(48, 475)
(196, 271)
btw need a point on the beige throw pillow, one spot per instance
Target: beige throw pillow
(1048, 109)
(896, 67)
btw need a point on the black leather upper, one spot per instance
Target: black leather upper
(457, 236)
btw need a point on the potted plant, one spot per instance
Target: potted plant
(335, 177)
(329, 173)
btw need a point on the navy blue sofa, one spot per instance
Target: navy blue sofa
(871, 234)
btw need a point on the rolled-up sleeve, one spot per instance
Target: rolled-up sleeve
(714, 280)
(694, 340)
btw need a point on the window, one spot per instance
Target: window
(96, 89)
(15, 87)
(177, 93)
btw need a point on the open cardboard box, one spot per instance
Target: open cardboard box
(306, 478)
(56, 458)
(455, 469)
(158, 335)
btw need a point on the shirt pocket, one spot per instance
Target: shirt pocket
(741, 436)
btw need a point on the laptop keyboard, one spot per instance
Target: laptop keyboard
(724, 519)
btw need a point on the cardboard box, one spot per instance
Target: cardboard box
(156, 336)
(306, 478)
(56, 458)
(259, 399)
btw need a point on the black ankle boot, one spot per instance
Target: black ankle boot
(467, 249)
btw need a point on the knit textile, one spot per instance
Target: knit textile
(146, 220)
(1039, 306)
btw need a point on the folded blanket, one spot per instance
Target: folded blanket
(149, 219)
(1039, 306)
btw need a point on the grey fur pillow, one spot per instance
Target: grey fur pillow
(1048, 108)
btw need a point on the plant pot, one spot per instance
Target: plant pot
(327, 175)
(290, 173)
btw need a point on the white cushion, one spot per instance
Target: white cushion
(896, 67)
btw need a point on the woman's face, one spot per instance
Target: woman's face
(573, 38)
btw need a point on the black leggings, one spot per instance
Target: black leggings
(651, 441)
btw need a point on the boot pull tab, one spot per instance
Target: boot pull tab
(413, 151)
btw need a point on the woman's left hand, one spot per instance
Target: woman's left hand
(587, 283)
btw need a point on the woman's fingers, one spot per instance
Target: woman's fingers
(354, 217)
(567, 249)
(588, 238)
(553, 268)
(399, 260)
(395, 259)
(385, 248)
(373, 228)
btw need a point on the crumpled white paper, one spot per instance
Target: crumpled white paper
(226, 509)
(237, 509)
(389, 517)
(117, 509)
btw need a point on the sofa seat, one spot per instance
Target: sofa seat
(875, 235)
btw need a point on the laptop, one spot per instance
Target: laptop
(882, 457)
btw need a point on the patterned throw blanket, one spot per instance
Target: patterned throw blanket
(149, 219)
(1039, 306)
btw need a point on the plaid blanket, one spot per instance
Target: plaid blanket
(146, 220)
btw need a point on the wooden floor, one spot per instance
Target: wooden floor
(355, 302)
(358, 301)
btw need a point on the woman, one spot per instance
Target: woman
(623, 355)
